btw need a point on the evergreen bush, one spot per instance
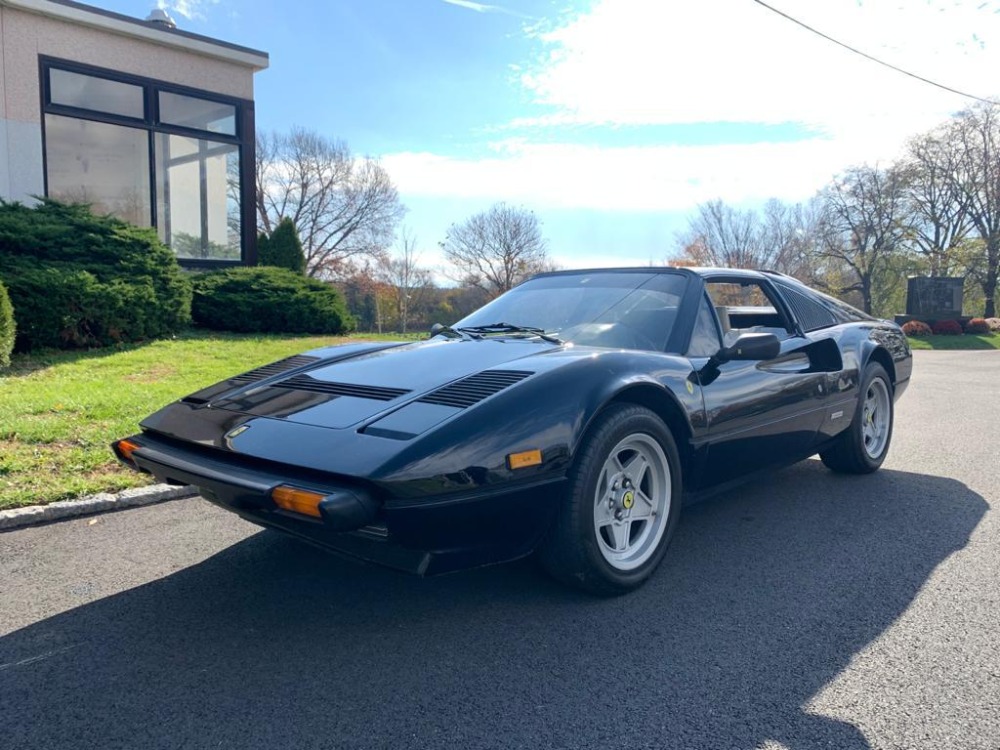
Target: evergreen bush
(80, 280)
(268, 300)
(282, 249)
(6, 327)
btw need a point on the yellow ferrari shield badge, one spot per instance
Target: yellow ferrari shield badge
(628, 500)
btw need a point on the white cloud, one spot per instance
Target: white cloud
(653, 62)
(640, 179)
(190, 9)
(483, 7)
(630, 63)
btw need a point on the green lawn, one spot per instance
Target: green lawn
(60, 410)
(966, 341)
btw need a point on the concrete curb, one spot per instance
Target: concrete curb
(86, 506)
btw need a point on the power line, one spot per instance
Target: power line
(870, 57)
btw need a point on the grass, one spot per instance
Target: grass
(966, 341)
(60, 410)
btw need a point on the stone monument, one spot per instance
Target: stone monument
(931, 298)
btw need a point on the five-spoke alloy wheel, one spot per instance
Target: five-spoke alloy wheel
(862, 447)
(622, 504)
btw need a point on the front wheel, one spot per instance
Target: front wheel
(622, 504)
(862, 447)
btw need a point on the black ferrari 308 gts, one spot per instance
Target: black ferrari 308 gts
(571, 417)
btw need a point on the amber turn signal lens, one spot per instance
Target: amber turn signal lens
(524, 459)
(297, 501)
(126, 448)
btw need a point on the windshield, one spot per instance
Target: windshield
(618, 310)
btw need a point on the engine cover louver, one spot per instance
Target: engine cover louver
(374, 392)
(473, 389)
(275, 368)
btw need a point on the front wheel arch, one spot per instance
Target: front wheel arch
(881, 355)
(658, 401)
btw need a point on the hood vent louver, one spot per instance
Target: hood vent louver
(374, 392)
(275, 368)
(473, 389)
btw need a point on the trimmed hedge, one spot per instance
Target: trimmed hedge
(80, 280)
(268, 300)
(994, 324)
(7, 328)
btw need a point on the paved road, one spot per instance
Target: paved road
(803, 611)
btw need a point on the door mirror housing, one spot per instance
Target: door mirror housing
(749, 347)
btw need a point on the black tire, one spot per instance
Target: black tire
(849, 453)
(572, 552)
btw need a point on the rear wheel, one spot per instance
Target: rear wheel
(622, 505)
(862, 447)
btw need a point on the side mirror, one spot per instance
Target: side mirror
(749, 346)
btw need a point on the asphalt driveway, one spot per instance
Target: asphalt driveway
(802, 611)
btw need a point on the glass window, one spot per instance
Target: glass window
(98, 94)
(104, 165)
(617, 310)
(198, 205)
(746, 306)
(200, 114)
(705, 337)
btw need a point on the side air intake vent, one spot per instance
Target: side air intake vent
(475, 388)
(275, 368)
(374, 392)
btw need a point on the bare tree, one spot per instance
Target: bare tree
(862, 227)
(975, 136)
(343, 206)
(721, 235)
(780, 237)
(402, 273)
(936, 203)
(496, 249)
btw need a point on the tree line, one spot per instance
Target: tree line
(934, 211)
(348, 216)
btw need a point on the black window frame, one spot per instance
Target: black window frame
(244, 139)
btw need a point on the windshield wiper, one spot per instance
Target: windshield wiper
(453, 333)
(511, 328)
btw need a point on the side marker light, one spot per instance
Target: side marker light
(524, 459)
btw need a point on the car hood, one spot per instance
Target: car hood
(328, 390)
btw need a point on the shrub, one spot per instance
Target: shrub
(79, 280)
(916, 328)
(282, 249)
(6, 327)
(977, 326)
(268, 300)
(994, 324)
(947, 328)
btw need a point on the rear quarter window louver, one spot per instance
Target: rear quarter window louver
(473, 389)
(275, 368)
(374, 392)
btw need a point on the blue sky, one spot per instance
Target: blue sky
(611, 119)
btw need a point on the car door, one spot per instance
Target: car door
(758, 413)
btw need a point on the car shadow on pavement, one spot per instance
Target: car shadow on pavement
(765, 596)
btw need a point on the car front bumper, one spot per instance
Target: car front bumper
(426, 536)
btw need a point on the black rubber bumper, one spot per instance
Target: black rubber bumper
(244, 488)
(425, 536)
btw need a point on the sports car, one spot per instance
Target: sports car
(571, 417)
